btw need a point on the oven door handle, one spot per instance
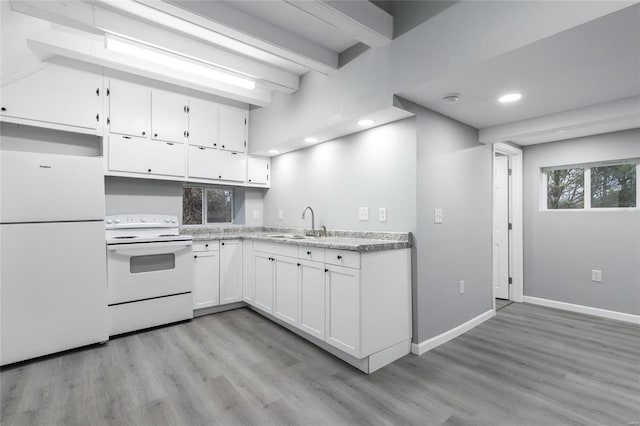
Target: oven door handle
(141, 249)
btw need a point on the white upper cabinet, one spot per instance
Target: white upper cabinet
(168, 116)
(258, 170)
(203, 123)
(232, 134)
(138, 155)
(129, 106)
(55, 95)
(233, 166)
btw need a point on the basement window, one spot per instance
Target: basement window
(591, 186)
(203, 206)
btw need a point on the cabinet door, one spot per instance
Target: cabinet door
(128, 154)
(258, 170)
(230, 271)
(54, 94)
(263, 279)
(168, 116)
(206, 279)
(166, 158)
(312, 294)
(248, 285)
(204, 163)
(233, 166)
(129, 106)
(233, 129)
(286, 297)
(343, 309)
(203, 123)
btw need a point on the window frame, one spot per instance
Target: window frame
(204, 189)
(587, 185)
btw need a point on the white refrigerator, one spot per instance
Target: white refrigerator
(53, 278)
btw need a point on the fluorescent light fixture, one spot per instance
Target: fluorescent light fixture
(365, 122)
(274, 151)
(311, 140)
(511, 97)
(166, 59)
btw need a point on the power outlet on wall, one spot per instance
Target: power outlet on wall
(256, 214)
(596, 276)
(280, 215)
(383, 214)
(461, 286)
(438, 216)
(363, 213)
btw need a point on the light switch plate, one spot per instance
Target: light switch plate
(596, 276)
(363, 213)
(383, 214)
(438, 216)
(256, 214)
(280, 215)
(461, 286)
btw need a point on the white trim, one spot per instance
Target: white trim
(588, 310)
(434, 342)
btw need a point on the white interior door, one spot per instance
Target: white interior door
(501, 227)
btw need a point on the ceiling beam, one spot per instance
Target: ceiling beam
(361, 20)
(236, 30)
(68, 45)
(86, 17)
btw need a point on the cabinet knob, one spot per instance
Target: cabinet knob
(155, 135)
(308, 253)
(298, 264)
(195, 256)
(215, 144)
(4, 109)
(144, 133)
(206, 245)
(223, 146)
(326, 270)
(222, 243)
(249, 180)
(339, 257)
(149, 170)
(219, 177)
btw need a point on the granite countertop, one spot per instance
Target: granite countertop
(360, 241)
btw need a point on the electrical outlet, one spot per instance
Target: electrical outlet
(256, 214)
(280, 215)
(596, 276)
(363, 213)
(461, 286)
(383, 214)
(438, 216)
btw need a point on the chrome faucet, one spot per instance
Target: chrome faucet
(313, 219)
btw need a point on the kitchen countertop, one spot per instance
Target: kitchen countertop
(360, 241)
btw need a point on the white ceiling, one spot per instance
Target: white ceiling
(590, 64)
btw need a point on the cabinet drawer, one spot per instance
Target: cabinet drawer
(350, 259)
(206, 246)
(275, 248)
(311, 253)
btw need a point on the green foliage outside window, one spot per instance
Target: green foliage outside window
(207, 205)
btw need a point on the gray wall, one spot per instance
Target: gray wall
(562, 247)
(128, 196)
(374, 168)
(454, 174)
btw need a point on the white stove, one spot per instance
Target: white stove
(150, 272)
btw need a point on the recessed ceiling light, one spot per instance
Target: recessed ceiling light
(365, 122)
(274, 151)
(511, 97)
(451, 98)
(311, 140)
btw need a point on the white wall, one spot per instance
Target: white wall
(374, 168)
(562, 247)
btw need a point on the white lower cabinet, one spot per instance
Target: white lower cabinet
(343, 309)
(230, 271)
(206, 279)
(312, 298)
(263, 281)
(286, 299)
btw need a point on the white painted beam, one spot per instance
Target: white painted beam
(239, 31)
(72, 46)
(361, 20)
(606, 117)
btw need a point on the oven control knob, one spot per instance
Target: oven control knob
(117, 221)
(166, 220)
(109, 221)
(173, 221)
(143, 219)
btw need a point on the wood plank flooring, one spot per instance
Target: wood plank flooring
(529, 365)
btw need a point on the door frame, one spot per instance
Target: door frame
(514, 153)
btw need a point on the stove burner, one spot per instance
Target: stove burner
(123, 237)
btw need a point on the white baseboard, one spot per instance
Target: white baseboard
(620, 316)
(427, 345)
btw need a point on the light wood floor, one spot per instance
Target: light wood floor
(527, 366)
